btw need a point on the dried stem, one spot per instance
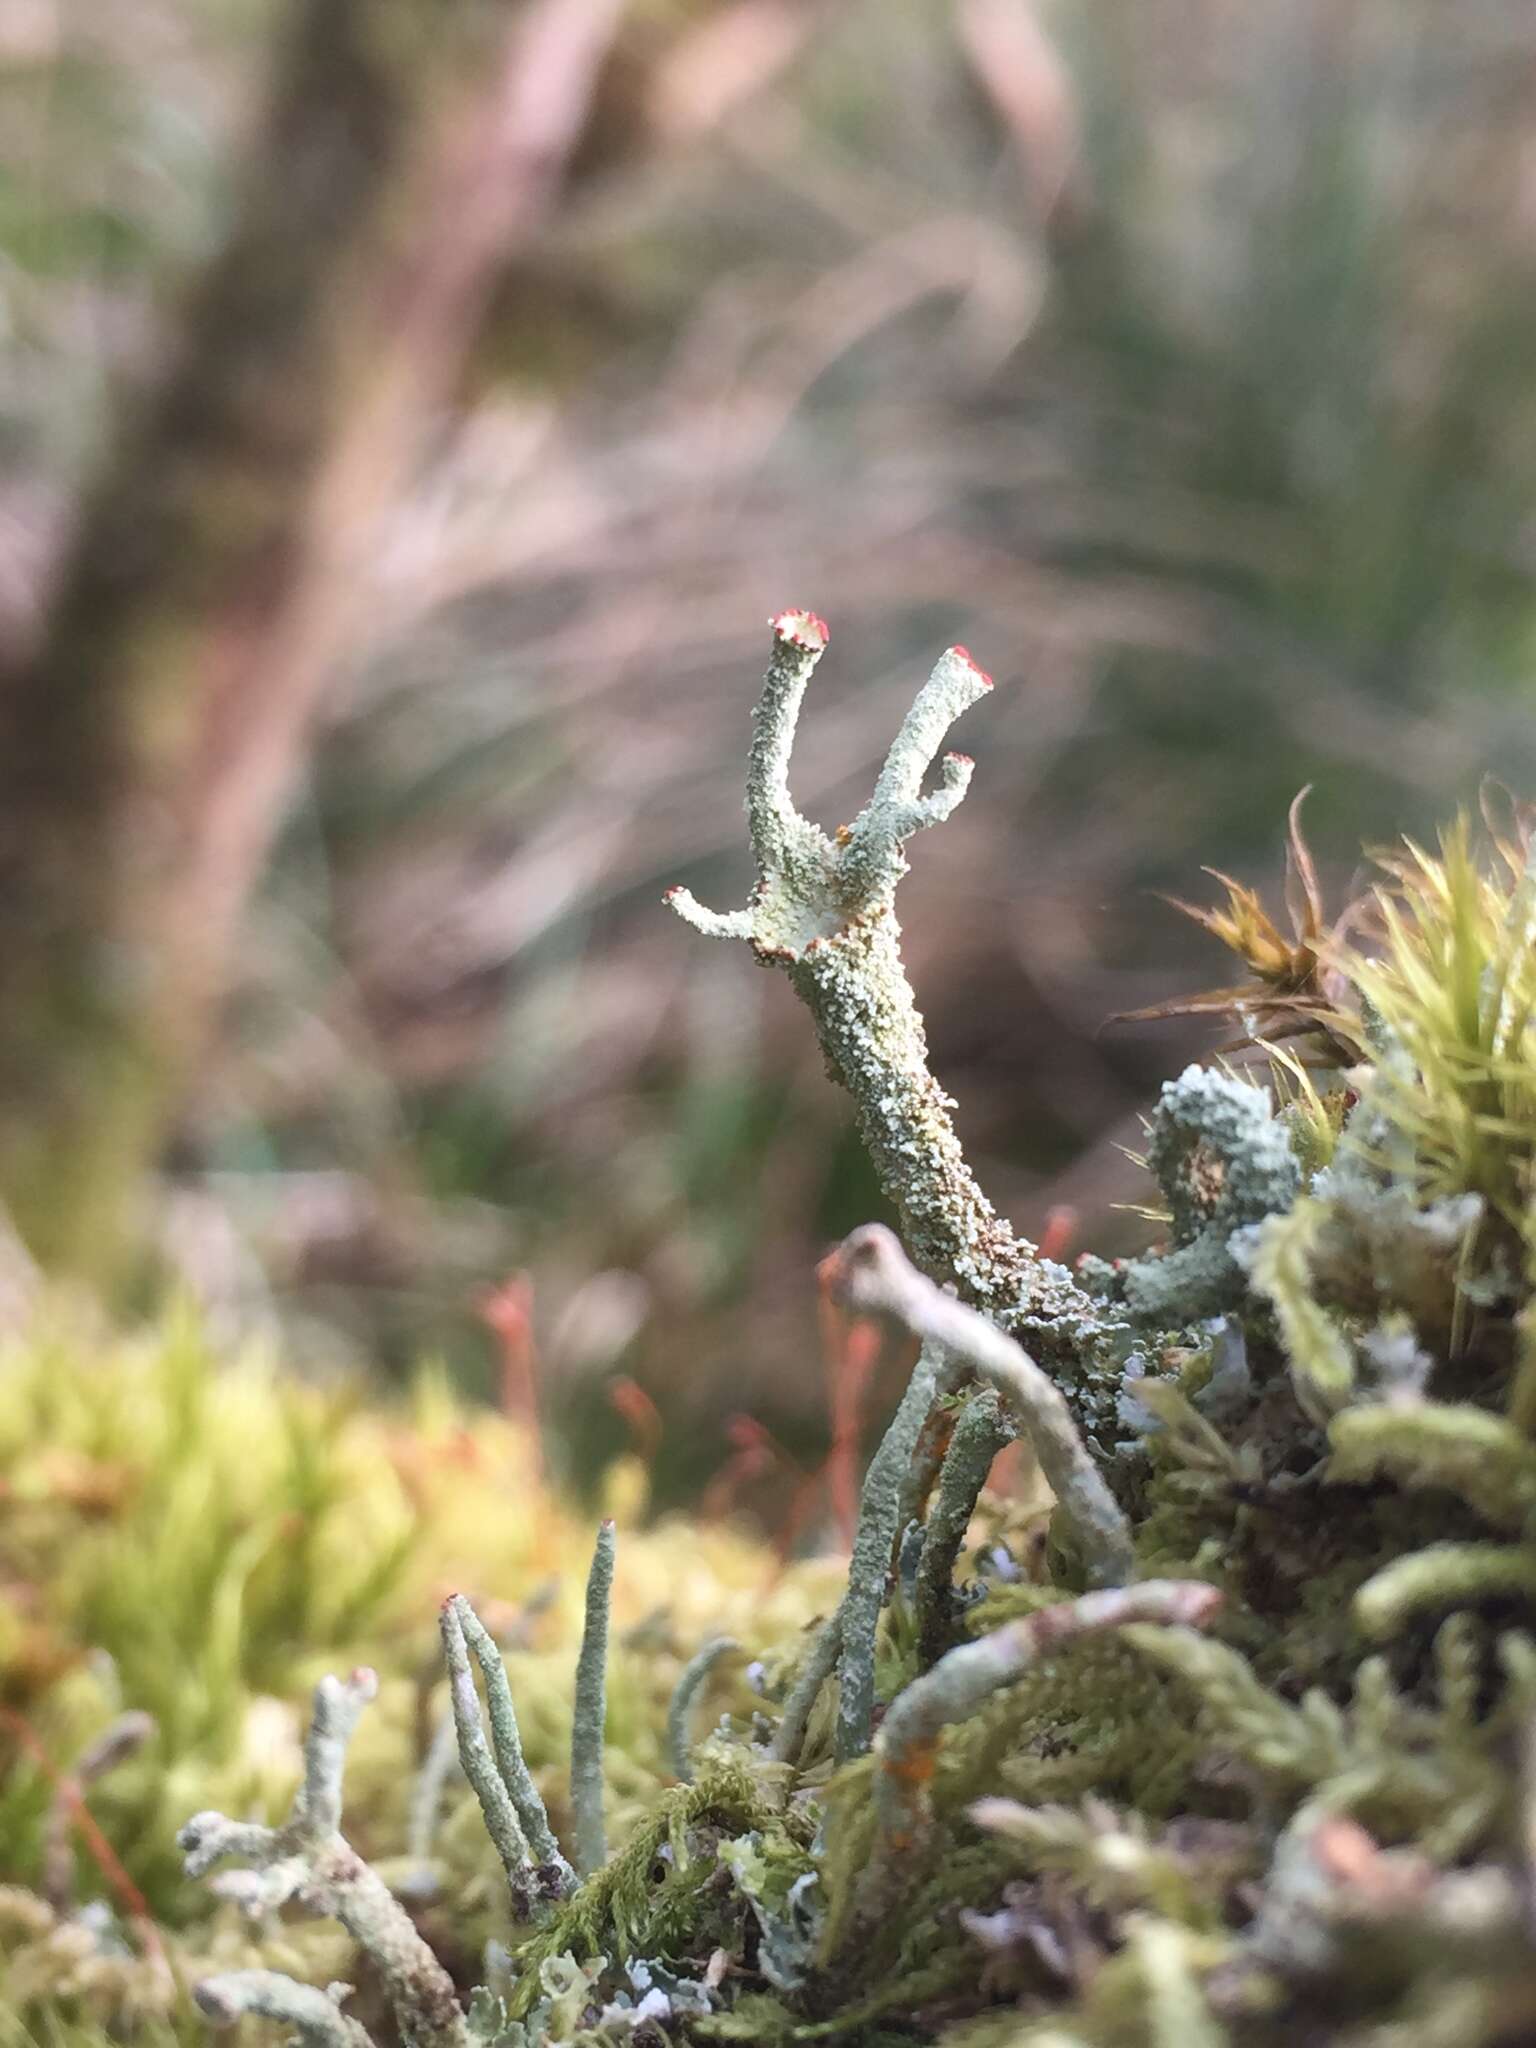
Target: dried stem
(872, 1273)
(116, 1743)
(906, 1748)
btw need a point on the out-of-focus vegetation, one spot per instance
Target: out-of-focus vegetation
(196, 1541)
(1173, 355)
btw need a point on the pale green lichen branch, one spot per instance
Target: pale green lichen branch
(510, 1762)
(820, 1663)
(438, 1766)
(502, 1821)
(316, 2016)
(781, 838)
(591, 1710)
(979, 1434)
(885, 1507)
(888, 1500)
(874, 861)
(1224, 1163)
(871, 1273)
(309, 1859)
(824, 909)
(691, 1682)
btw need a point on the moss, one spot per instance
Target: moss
(198, 1539)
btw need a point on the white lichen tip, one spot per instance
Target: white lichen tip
(801, 629)
(694, 1676)
(715, 924)
(810, 886)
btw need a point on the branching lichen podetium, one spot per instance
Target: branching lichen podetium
(824, 908)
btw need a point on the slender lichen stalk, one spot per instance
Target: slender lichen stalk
(885, 1506)
(846, 1644)
(821, 1662)
(690, 1684)
(824, 908)
(496, 1807)
(979, 1435)
(871, 1273)
(591, 1710)
(437, 1767)
(509, 1800)
(309, 1859)
(507, 1743)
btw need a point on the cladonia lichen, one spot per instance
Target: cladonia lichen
(1246, 1756)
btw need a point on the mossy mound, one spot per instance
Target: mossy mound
(187, 1543)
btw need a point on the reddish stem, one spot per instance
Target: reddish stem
(99, 1849)
(507, 1312)
(642, 1416)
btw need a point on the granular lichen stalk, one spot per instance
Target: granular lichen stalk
(591, 1710)
(880, 1523)
(978, 1436)
(819, 1665)
(824, 908)
(315, 2016)
(496, 1804)
(694, 1677)
(507, 1742)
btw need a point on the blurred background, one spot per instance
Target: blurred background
(406, 435)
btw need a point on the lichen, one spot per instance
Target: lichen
(1245, 1755)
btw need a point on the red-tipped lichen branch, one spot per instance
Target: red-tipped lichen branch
(824, 909)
